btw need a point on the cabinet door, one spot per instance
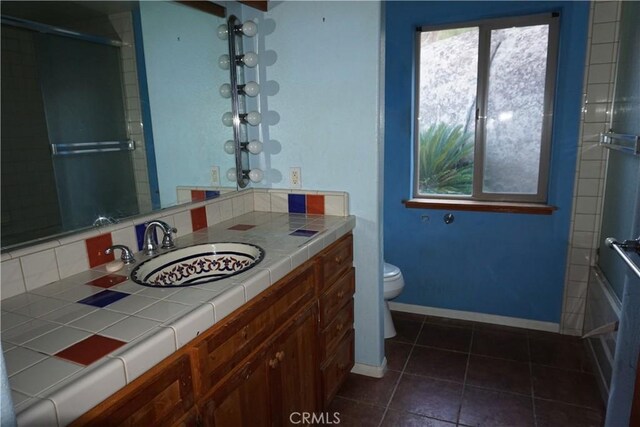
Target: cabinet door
(292, 364)
(161, 397)
(242, 398)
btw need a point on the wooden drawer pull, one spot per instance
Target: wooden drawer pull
(341, 293)
(245, 332)
(338, 259)
(339, 326)
(279, 357)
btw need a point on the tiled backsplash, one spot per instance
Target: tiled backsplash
(35, 266)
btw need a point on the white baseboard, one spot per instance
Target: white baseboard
(476, 317)
(369, 370)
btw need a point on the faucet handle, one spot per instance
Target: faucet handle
(167, 239)
(126, 256)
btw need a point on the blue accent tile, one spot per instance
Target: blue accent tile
(297, 203)
(304, 233)
(140, 235)
(211, 194)
(103, 299)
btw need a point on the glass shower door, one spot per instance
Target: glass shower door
(621, 216)
(83, 99)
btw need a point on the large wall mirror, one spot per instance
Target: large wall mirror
(107, 109)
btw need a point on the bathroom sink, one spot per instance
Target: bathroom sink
(197, 264)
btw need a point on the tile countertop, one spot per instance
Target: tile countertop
(71, 344)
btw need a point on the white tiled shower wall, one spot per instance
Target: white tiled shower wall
(122, 24)
(600, 71)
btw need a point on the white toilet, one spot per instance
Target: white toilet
(393, 285)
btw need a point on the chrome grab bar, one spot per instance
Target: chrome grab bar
(623, 248)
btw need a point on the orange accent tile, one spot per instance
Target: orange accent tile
(197, 195)
(107, 281)
(241, 227)
(315, 204)
(198, 218)
(90, 349)
(96, 247)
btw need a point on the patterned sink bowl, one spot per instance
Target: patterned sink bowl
(198, 264)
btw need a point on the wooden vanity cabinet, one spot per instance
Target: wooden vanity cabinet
(161, 397)
(287, 350)
(276, 380)
(335, 301)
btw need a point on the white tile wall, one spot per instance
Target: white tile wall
(598, 93)
(123, 25)
(32, 267)
(12, 279)
(39, 269)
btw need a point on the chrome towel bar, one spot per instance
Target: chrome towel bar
(622, 249)
(621, 142)
(92, 147)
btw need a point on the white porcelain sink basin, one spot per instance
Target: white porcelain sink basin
(198, 264)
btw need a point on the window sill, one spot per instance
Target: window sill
(480, 206)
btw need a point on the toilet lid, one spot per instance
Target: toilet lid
(390, 270)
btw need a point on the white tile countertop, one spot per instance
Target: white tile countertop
(71, 344)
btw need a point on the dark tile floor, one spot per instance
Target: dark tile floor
(445, 372)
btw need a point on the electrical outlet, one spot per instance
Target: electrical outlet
(295, 178)
(215, 175)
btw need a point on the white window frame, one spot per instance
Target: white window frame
(484, 47)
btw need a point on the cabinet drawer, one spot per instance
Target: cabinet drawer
(161, 397)
(336, 297)
(234, 339)
(335, 260)
(332, 334)
(337, 369)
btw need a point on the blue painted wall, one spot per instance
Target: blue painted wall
(495, 263)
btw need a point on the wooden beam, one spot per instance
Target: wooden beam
(262, 5)
(206, 6)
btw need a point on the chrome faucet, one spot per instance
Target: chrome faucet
(150, 245)
(127, 255)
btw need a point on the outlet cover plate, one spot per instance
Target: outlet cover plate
(295, 177)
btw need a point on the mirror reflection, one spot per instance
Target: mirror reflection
(109, 110)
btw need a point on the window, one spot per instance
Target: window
(484, 98)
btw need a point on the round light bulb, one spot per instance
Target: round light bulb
(249, 29)
(223, 32)
(256, 175)
(227, 119)
(230, 147)
(253, 118)
(250, 59)
(254, 147)
(231, 175)
(224, 62)
(225, 90)
(251, 89)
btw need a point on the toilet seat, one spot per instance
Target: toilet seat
(390, 271)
